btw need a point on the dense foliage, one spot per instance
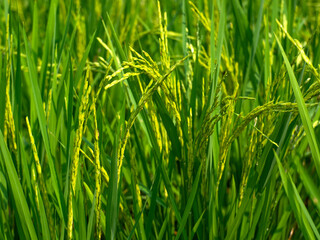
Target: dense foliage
(159, 119)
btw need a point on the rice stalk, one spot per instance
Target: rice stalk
(250, 154)
(97, 175)
(203, 19)
(304, 56)
(264, 109)
(103, 172)
(144, 99)
(43, 188)
(9, 126)
(169, 87)
(228, 103)
(35, 187)
(76, 150)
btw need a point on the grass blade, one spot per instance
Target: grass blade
(43, 127)
(303, 111)
(19, 197)
(189, 204)
(301, 213)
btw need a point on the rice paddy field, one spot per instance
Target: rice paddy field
(162, 119)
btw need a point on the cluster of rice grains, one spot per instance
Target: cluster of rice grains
(9, 127)
(83, 114)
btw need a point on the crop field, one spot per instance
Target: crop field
(128, 119)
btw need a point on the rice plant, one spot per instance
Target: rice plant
(159, 119)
